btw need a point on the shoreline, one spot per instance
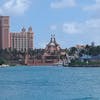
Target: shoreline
(36, 65)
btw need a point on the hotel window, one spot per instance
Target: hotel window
(6, 31)
(0, 22)
(6, 21)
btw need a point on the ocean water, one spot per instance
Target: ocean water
(49, 83)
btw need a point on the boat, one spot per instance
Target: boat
(4, 65)
(59, 63)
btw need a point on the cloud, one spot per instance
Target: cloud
(93, 7)
(53, 27)
(93, 24)
(83, 32)
(42, 44)
(63, 4)
(16, 7)
(71, 28)
(90, 26)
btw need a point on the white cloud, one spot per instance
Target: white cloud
(93, 7)
(53, 27)
(93, 24)
(71, 28)
(42, 44)
(84, 32)
(90, 26)
(63, 3)
(16, 7)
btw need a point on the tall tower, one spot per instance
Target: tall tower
(30, 38)
(4, 32)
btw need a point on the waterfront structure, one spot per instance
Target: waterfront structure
(52, 51)
(4, 32)
(22, 41)
(52, 46)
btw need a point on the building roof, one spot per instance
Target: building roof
(52, 46)
(53, 41)
(86, 57)
(96, 57)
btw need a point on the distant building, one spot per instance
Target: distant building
(4, 32)
(23, 40)
(95, 58)
(52, 51)
(80, 47)
(85, 58)
(52, 46)
(92, 44)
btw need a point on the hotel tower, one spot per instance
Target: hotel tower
(22, 41)
(4, 32)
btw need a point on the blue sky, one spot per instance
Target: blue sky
(72, 21)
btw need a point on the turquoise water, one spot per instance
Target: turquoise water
(49, 83)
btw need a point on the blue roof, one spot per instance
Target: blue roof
(96, 57)
(90, 57)
(86, 57)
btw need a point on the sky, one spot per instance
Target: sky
(72, 21)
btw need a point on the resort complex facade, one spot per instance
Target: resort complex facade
(18, 48)
(22, 41)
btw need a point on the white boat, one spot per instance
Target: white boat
(4, 65)
(60, 63)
